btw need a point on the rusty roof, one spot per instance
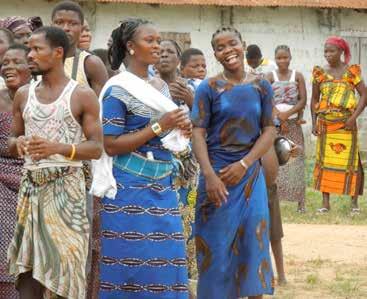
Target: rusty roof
(357, 4)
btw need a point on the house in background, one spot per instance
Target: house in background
(301, 24)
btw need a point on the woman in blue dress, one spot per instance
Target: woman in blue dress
(233, 129)
(143, 250)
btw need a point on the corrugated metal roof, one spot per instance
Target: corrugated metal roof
(359, 4)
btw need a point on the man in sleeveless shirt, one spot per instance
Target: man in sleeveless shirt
(82, 66)
(49, 250)
(89, 70)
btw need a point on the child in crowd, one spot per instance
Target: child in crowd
(193, 67)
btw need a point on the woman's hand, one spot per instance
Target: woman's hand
(232, 174)
(315, 132)
(296, 150)
(216, 190)
(283, 116)
(186, 129)
(350, 124)
(178, 90)
(175, 119)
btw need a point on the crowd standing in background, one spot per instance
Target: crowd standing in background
(173, 172)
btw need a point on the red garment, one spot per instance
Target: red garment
(342, 44)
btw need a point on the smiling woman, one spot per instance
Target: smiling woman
(143, 250)
(233, 129)
(16, 74)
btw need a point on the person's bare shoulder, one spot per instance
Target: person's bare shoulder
(20, 97)
(22, 93)
(24, 90)
(299, 77)
(85, 93)
(93, 63)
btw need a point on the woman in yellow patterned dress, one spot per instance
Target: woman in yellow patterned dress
(335, 109)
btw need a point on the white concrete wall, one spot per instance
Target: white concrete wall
(304, 30)
(297, 27)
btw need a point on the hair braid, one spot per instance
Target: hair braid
(282, 47)
(225, 29)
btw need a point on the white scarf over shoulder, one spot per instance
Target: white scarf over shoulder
(104, 184)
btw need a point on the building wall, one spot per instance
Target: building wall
(304, 30)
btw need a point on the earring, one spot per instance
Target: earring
(131, 52)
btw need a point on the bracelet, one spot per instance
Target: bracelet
(243, 164)
(73, 152)
(157, 129)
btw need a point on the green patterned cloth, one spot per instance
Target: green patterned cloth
(52, 230)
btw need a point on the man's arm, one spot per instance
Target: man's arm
(96, 73)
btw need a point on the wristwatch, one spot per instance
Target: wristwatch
(157, 129)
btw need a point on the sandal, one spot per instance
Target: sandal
(355, 211)
(322, 210)
(301, 210)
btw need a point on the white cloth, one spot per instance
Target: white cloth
(104, 184)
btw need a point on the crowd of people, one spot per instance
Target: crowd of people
(126, 170)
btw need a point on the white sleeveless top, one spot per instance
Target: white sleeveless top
(81, 76)
(285, 93)
(54, 122)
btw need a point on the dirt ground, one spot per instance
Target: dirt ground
(338, 243)
(324, 262)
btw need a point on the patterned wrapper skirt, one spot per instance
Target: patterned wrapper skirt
(232, 241)
(291, 177)
(142, 241)
(338, 168)
(51, 233)
(8, 201)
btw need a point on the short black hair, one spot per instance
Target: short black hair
(56, 37)
(9, 35)
(253, 52)
(187, 54)
(69, 5)
(19, 47)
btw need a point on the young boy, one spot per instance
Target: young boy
(193, 67)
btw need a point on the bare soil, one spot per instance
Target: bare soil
(337, 243)
(324, 262)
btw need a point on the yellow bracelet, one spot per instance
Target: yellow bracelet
(73, 152)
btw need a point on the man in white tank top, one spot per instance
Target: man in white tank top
(49, 250)
(89, 70)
